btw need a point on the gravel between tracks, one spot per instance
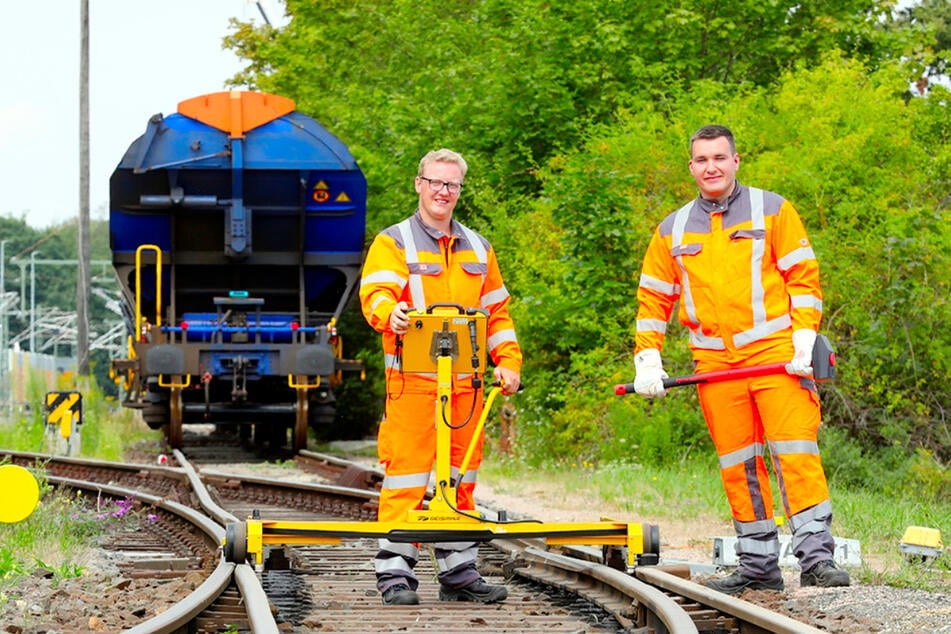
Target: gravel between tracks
(101, 599)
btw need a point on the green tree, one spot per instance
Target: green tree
(842, 144)
(512, 82)
(931, 51)
(575, 118)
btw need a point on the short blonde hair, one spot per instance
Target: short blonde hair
(443, 156)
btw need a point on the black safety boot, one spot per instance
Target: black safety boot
(400, 594)
(739, 581)
(824, 574)
(478, 590)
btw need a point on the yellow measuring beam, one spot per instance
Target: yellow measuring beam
(638, 538)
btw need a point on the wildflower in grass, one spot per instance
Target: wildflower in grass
(152, 517)
(124, 505)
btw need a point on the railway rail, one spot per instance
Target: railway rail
(331, 588)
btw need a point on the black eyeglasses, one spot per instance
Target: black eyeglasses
(436, 185)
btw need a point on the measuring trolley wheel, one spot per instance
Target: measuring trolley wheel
(236, 542)
(616, 557)
(651, 554)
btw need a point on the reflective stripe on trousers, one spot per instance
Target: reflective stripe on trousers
(407, 449)
(455, 564)
(743, 417)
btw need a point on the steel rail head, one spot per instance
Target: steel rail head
(743, 610)
(668, 611)
(220, 515)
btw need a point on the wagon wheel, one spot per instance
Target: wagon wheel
(300, 424)
(174, 430)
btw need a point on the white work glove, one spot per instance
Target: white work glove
(649, 374)
(803, 341)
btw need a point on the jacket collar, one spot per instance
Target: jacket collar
(712, 206)
(433, 232)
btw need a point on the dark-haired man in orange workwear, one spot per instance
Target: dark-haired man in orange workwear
(739, 261)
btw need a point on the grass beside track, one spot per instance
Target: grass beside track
(61, 531)
(691, 493)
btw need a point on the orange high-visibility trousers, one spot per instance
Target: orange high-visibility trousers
(777, 411)
(407, 449)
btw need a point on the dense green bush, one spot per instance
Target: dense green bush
(575, 120)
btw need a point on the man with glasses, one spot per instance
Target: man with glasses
(431, 258)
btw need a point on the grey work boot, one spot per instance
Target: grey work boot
(824, 574)
(478, 590)
(739, 581)
(400, 594)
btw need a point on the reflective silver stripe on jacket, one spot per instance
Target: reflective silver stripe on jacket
(795, 257)
(805, 301)
(662, 287)
(500, 337)
(762, 326)
(697, 338)
(383, 277)
(412, 257)
(475, 244)
(654, 325)
(493, 297)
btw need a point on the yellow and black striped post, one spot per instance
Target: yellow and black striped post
(65, 411)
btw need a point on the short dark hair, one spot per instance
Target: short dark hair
(714, 132)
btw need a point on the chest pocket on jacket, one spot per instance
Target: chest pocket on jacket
(752, 234)
(424, 268)
(475, 268)
(686, 249)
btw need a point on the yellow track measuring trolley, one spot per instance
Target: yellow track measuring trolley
(449, 340)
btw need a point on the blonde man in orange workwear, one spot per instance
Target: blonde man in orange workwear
(739, 261)
(426, 259)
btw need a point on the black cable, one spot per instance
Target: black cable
(445, 400)
(442, 488)
(399, 370)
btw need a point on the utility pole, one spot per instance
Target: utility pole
(33, 255)
(83, 281)
(4, 323)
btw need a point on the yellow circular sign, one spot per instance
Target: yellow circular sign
(22, 493)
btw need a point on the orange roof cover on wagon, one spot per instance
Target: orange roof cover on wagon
(236, 111)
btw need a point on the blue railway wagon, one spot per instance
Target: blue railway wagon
(236, 229)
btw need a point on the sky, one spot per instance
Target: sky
(145, 56)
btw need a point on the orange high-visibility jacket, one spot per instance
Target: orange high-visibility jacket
(744, 271)
(412, 262)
